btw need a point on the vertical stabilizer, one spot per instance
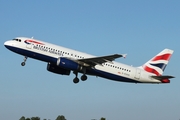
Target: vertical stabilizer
(157, 64)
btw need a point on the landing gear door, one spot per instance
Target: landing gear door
(137, 74)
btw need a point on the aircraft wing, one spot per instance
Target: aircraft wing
(99, 60)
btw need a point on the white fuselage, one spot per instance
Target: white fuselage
(50, 53)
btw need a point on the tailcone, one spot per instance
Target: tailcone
(165, 81)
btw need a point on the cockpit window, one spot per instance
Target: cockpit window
(19, 40)
(15, 39)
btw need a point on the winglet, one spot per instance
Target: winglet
(124, 55)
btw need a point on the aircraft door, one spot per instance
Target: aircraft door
(138, 74)
(29, 46)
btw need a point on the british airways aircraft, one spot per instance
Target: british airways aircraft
(61, 60)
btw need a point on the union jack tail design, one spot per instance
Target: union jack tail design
(157, 64)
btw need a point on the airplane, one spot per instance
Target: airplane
(61, 60)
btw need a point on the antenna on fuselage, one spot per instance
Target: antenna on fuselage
(32, 37)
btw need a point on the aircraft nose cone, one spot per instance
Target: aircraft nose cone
(5, 43)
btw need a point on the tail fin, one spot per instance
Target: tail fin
(157, 64)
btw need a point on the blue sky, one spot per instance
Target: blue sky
(139, 28)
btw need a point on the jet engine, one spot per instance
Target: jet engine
(58, 70)
(68, 64)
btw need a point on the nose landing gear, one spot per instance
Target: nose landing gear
(24, 62)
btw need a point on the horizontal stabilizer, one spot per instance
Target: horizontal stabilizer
(162, 77)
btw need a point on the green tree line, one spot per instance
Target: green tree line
(60, 117)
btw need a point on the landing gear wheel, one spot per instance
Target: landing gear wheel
(83, 77)
(75, 80)
(23, 63)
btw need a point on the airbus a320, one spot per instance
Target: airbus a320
(61, 60)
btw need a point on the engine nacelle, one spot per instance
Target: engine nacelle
(68, 64)
(58, 70)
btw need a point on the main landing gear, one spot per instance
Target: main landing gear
(84, 77)
(24, 62)
(76, 79)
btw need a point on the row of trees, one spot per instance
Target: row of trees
(60, 117)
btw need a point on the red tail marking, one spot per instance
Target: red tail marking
(151, 70)
(162, 57)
